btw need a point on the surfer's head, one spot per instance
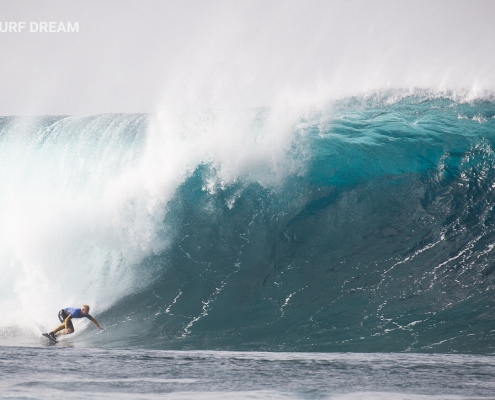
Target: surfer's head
(85, 309)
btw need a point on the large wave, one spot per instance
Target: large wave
(364, 225)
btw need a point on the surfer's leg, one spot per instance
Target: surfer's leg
(60, 330)
(64, 332)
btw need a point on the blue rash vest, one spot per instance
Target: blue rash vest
(76, 313)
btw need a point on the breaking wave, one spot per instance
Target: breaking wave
(367, 224)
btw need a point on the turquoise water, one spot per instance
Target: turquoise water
(381, 241)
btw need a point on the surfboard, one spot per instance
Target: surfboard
(48, 336)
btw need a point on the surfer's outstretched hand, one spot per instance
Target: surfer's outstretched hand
(100, 328)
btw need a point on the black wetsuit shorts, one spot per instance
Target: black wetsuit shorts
(62, 315)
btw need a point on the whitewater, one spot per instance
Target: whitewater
(230, 252)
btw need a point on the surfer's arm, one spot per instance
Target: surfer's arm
(67, 321)
(94, 321)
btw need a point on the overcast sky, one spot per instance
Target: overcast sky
(134, 56)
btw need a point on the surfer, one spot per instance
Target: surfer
(65, 316)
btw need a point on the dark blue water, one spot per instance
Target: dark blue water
(383, 242)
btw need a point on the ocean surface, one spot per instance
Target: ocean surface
(68, 372)
(344, 250)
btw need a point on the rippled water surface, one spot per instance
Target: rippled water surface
(56, 372)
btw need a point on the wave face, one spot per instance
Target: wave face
(368, 225)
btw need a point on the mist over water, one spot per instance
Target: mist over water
(216, 54)
(61, 198)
